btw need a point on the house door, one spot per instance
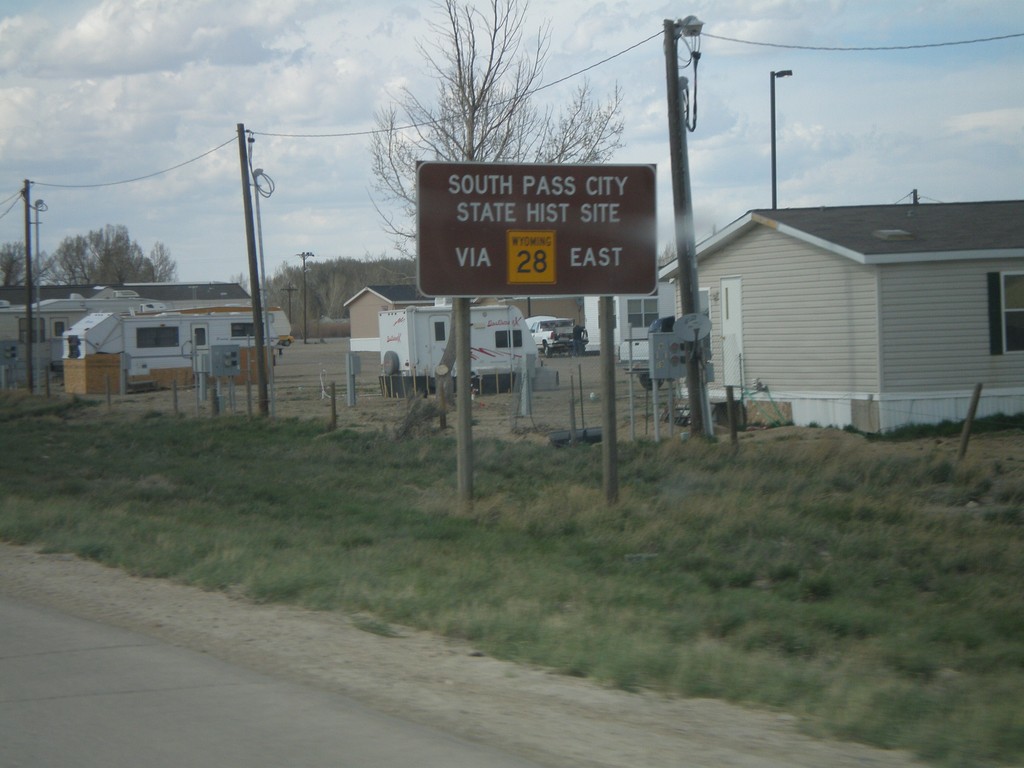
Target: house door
(732, 331)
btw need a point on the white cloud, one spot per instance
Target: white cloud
(94, 91)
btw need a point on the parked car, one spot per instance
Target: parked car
(553, 335)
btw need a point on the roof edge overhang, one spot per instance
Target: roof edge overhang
(752, 219)
(910, 258)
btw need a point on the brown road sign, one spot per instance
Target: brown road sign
(492, 229)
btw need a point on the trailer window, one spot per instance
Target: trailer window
(242, 330)
(501, 339)
(38, 329)
(159, 336)
(439, 330)
(641, 312)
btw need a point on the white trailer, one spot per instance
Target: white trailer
(128, 351)
(413, 339)
(632, 317)
(52, 317)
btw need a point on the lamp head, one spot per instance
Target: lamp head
(782, 73)
(690, 26)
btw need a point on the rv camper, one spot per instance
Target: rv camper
(413, 339)
(632, 317)
(52, 317)
(124, 352)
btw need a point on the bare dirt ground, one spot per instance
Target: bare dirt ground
(555, 720)
(303, 376)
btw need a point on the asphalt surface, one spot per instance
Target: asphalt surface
(78, 693)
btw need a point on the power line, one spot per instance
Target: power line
(137, 178)
(372, 131)
(571, 75)
(598, 64)
(13, 197)
(864, 47)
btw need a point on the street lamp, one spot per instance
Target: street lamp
(305, 316)
(775, 76)
(39, 207)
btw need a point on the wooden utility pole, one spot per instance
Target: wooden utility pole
(254, 274)
(463, 399)
(29, 331)
(686, 248)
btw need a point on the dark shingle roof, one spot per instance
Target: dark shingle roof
(180, 292)
(908, 229)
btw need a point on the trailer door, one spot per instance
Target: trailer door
(201, 347)
(438, 329)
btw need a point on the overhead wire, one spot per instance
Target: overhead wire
(137, 178)
(863, 47)
(576, 73)
(15, 197)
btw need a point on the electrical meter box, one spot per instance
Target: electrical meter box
(225, 360)
(667, 356)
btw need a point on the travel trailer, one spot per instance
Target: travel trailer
(127, 352)
(280, 328)
(413, 339)
(632, 317)
(52, 317)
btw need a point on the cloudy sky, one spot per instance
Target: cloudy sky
(98, 98)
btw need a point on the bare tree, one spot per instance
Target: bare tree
(109, 255)
(163, 269)
(484, 109)
(12, 264)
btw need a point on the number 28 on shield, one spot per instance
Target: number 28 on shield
(531, 257)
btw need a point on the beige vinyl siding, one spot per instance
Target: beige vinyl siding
(935, 328)
(809, 316)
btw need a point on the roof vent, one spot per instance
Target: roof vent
(892, 234)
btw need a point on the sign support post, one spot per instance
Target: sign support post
(463, 400)
(609, 438)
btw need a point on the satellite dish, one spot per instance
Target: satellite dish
(692, 327)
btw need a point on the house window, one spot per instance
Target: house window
(159, 336)
(1005, 312)
(39, 332)
(242, 330)
(640, 313)
(1013, 311)
(501, 339)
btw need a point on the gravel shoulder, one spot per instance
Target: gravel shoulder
(554, 720)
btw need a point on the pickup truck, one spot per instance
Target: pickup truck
(553, 335)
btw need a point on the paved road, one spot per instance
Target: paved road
(78, 693)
